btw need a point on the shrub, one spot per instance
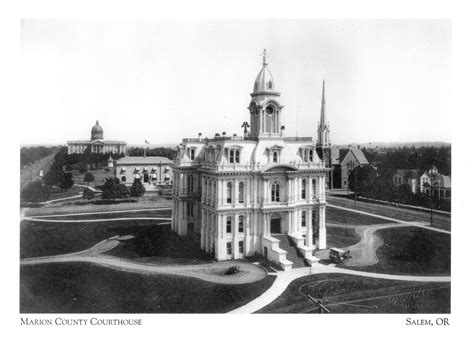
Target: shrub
(87, 194)
(232, 270)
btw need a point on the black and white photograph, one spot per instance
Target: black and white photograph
(235, 166)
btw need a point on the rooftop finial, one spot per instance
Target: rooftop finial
(265, 57)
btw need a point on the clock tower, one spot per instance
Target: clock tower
(265, 109)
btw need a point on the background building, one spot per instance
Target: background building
(257, 193)
(408, 177)
(435, 184)
(341, 161)
(152, 171)
(97, 144)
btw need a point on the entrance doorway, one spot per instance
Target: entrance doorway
(275, 223)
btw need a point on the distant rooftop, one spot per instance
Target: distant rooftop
(143, 161)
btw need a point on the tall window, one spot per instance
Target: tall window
(303, 189)
(311, 155)
(229, 248)
(275, 157)
(241, 192)
(275, 192)
(231, 156)
(190, 209)
(229, 192)
(241, 224)
(191, 153)
(228, 225)
(303, 218)
(314, 218)
(241, 247)
(190, 183)
(313, 189)
(237, 156)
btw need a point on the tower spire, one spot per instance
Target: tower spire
(322, 122)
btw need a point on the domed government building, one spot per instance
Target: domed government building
(260, 193)
(97, 143)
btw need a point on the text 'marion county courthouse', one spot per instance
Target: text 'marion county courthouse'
(241, 193)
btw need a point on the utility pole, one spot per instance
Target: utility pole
(355, 188)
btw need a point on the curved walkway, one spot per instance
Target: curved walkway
(364, 253)
(213, 272)
(285, 278)
(91, 220)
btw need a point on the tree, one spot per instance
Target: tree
(137, 189)
(87, 194)
(54, 176)
(89, 177)
(66, 182)
(35, 191)
(113, 189)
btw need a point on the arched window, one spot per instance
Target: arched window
(275, 157)
(303, 189)
(124, 178)
(190, 183)
(313, 189)
(229, 192)
(270, 85)
(241, 192)
(241, 224)
(275, 192)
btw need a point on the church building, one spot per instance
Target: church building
(97, 144)
(260, 193)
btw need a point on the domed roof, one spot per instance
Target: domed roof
(97, 128)
(264, 82)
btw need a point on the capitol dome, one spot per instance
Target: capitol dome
(97, 132)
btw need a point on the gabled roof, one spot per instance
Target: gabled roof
(359, 155)
(408, 173)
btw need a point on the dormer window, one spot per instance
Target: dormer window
(234, 156)
(274, 154)
(308, 154)
(191, 153)
(270, 85)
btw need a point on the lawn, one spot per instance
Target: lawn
(413, 251)
(86, 288)
(342, 217)
(343, 293)
(341, 237)
(139, 214)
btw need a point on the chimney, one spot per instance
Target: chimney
(199, 136)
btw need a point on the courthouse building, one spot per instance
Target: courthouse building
(97, 144)
(256, 193)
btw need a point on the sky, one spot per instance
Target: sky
(164, 80)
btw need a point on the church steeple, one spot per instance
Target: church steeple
(323, 127)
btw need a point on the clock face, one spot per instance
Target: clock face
(269, 110)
